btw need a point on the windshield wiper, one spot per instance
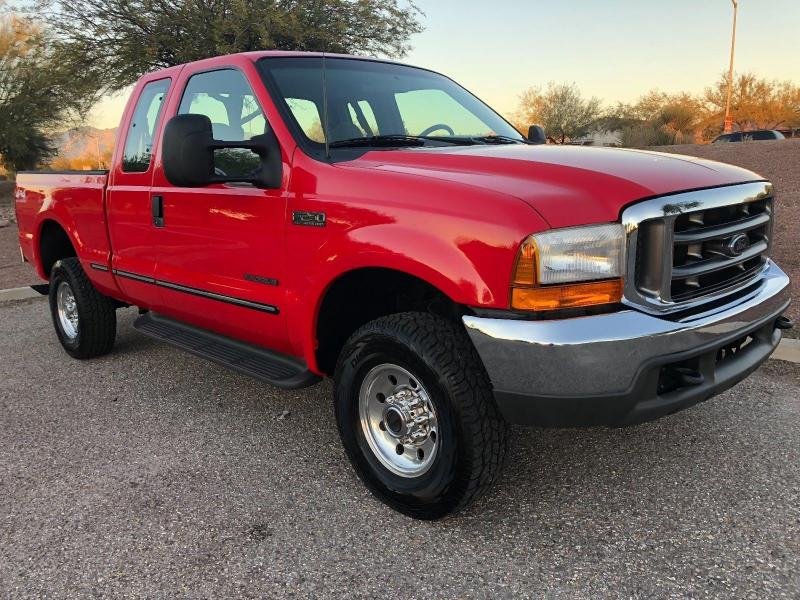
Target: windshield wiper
(380, 140)
(399, 140)
(499, 139)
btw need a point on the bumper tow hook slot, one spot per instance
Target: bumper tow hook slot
(688, 376)
(783, 322)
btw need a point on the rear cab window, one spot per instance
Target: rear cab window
(138, 150)
(307, 114)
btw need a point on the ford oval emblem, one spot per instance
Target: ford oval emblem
(738, 244)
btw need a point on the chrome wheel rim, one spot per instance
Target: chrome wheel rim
(398, 420)
(67, 310)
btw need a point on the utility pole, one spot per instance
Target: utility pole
(97, 147)
(728, 125)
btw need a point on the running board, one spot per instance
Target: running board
(277, 369)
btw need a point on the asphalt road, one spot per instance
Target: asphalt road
(150, 473)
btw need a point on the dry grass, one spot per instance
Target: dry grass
(778, 161)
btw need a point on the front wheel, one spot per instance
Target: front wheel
(416, 414)
(85, 320)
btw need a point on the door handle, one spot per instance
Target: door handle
(157, 208)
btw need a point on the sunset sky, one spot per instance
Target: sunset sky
(613, 49)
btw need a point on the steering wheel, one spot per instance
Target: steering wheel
(437, 127)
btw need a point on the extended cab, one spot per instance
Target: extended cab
(296, 216)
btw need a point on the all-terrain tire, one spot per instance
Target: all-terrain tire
(96, 327)
(472, 434)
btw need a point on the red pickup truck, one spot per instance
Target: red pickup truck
(295, 216)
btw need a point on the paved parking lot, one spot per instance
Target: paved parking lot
(150, 473)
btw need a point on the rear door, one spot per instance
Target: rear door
(130, 222)
(221, 248)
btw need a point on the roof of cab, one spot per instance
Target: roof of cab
(255, 56)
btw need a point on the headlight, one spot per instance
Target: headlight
(551, 266)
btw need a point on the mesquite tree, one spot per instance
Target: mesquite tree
(118, 40)
(37, 94)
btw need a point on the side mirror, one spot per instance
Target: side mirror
(536, 134)
(189, 155)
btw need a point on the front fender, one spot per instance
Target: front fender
(467, 271)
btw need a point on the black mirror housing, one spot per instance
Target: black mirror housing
(188, 154)
(536, 134)
(269, 174)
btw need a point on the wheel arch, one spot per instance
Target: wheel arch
(53, 243)
(362, 294)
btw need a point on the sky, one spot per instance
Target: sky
(613, 49)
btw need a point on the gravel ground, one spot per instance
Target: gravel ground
(150, 473)
(778, 161)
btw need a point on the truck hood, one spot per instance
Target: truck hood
(567, 185)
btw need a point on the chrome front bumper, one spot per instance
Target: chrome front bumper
(607, 369)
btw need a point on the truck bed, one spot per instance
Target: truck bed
(73, 198)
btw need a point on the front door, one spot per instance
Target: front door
(220, 248)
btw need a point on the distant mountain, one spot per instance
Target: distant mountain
(83, 141)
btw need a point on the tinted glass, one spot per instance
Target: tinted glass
(226, 98)
(306, 113)
(366, 98)
(765, 135)
(139, 141)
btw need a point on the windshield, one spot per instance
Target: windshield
(372, 103)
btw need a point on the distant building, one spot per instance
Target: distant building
(789, 132)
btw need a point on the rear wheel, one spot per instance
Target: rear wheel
(84, 319)
(417, 416)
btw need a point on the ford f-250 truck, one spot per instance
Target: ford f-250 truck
(297, 215)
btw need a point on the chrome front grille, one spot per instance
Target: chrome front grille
(691, 248)
(713, 249)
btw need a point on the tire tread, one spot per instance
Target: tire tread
(98, 319)
(445, 346)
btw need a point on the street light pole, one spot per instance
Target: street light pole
(97, 147)
(728, 125)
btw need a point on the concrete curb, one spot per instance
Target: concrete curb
(21, 293)
(789, 349)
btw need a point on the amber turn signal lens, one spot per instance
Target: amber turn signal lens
(525, 267)
(567, 296)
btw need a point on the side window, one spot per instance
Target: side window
(139, 141)
(308, 117)
(227, 99)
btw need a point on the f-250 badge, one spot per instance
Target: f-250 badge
(310, 219)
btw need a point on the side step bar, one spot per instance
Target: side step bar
(277, 369)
